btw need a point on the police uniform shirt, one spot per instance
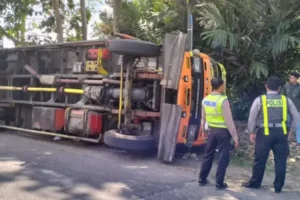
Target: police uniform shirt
(256, 109)
(227, 116)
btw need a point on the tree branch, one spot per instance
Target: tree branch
(83, 19)
(15, 40)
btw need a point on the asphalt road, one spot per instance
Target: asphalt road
(40, 169)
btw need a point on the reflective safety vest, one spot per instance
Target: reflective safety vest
(212, 105)
(274, 112)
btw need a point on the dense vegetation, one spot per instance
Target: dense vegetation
(253, 38)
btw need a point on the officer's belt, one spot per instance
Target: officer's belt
(271, 125)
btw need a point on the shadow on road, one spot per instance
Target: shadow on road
(37, 168)
(48, 183)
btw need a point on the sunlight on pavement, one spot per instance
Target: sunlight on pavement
(223, 197)
(47, 153)
(115, 188)
(136, 167)
(112, 191)
(10, 166)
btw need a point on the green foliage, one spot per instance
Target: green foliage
(14, 13)
(147, 20)
(71, 16)
(252, 38)
(256, 38)
(257, 69)
(105, 27)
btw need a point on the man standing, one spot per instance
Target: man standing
(269, 114)
(216, 112)
(292, 91)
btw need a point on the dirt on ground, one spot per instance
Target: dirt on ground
(244, 155)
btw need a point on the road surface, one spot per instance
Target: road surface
(37, 168)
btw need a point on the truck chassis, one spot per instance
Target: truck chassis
(127, 93)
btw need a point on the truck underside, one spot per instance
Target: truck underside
(129, 94)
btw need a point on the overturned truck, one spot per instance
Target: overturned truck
(126, 93)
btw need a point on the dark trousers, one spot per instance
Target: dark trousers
(218, 137)
(278, 142)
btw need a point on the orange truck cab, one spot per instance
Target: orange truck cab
(199, 68)
(186, 81)
(194, 84)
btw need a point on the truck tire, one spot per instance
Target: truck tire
(128, 142)
(134, 48)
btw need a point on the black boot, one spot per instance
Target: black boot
(250, 185)
(202, 182)
(278, 191)
(221, 186)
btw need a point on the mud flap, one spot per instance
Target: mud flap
(170, 121)
(173, 53)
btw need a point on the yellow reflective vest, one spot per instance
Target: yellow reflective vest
(212, 105)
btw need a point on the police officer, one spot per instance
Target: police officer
(268, 117)
(217, 114)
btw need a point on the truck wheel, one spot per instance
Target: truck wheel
(128, 142)
(134, 48)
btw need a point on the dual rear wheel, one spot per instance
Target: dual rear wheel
(113, 138)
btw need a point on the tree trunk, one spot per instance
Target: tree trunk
(58, 20)
(1, 42)
(23, 30)
(83, 19)
(116, 4)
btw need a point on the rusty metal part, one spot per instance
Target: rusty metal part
(32, 71)
(150, 76)
(52, 134)
(48, 118)
(94, 82)
(144, 75)
(141, 113)
(83, 122)
(125, 36)
(95, 92)
(91, 76)
(60, 80)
